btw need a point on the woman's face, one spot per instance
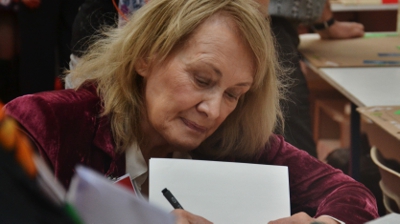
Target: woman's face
(191, 93)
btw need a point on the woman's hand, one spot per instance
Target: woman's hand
(185, 217)
(342, 30)
(303, 218)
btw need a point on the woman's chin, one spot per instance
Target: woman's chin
(185, 145)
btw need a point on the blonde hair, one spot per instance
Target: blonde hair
(156, 29)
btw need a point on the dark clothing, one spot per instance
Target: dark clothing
(22, 201)
(92, 16)
(296, 109)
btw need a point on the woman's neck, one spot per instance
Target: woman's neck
(150, 149)
(153, 144)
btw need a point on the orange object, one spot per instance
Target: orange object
(8, 133)
(13, 140)
(24, 155)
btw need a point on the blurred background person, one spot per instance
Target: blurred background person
(286, 16)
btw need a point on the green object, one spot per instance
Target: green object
(397, 112)
(73, 214)
(377, 35)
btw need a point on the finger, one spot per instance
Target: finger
(300, 217)
(357, 30)
(185, 217)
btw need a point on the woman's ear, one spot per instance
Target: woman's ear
(142, 67)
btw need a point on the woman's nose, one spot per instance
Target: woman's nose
(211, 106)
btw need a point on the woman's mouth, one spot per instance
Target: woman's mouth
(194, 126)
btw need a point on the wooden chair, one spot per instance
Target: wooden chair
(331, 125)
(389, 184)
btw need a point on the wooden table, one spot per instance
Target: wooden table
(383, 129)
(363, 86)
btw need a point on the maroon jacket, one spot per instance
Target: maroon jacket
(67, 129)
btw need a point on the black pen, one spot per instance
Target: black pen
(172, 200)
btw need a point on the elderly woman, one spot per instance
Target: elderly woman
(184, 78)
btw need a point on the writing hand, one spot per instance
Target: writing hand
(342, 30)
(185, 217)
(303, 218)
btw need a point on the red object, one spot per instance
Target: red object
(58, 85)
(126, 182)
(389, 1)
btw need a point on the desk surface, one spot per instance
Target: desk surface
(374, 49)
(378, 86)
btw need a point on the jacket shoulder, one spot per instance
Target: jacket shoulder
(49, 110)
(56, 119)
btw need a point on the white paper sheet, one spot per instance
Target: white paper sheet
(392, 218)
(222, 192)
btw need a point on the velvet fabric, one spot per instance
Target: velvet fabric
(67, 129)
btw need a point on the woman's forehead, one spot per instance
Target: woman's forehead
(221, 18)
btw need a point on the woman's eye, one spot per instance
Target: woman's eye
(202, 81)
(233, 96)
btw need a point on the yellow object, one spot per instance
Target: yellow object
(8, 133)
